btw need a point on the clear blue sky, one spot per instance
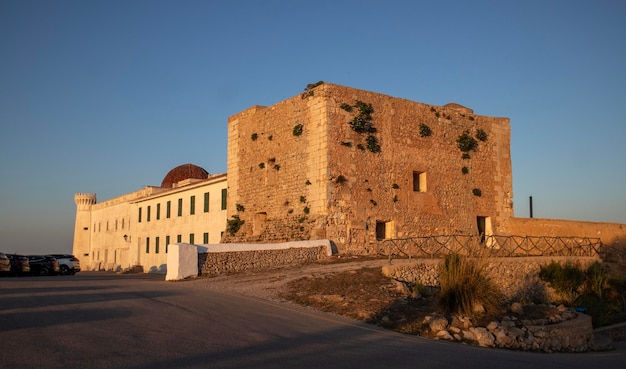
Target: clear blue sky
(107, 96)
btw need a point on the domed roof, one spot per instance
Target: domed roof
(182, 172)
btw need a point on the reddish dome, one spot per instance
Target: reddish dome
(182, 172)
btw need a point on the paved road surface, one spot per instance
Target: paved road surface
(102, 320)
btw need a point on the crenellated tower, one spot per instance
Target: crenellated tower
(82, 234)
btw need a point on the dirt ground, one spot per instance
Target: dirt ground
(348, 286)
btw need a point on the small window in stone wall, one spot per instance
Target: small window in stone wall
(384, 230)
(419, 182)
(205, 238)
(179, 238)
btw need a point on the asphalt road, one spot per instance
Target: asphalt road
(103, 320)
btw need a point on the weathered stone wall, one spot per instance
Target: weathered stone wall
(287, 186)
(517, 278)
(612, 234)
(211, 264)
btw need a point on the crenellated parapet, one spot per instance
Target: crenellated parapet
(84, 200)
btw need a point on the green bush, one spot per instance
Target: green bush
(233, 225)
(565, 279)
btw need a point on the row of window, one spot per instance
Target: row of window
(155, 244)
(168, 207)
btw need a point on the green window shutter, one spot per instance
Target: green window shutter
(192, 205)
(205, 238)
(206, 202)
(224, 196)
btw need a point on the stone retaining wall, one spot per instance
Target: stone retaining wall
(518, 277)
(215, 263)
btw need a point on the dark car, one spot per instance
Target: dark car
(19, 264)
(5, 264)
(69, 264)
(43, 265)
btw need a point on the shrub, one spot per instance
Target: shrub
(233, 225)
(565, 279)
(254, 136)
(425, 130)
(372, 144)
(297, 129)
(466, 143)
(481, 135)
(465, 289)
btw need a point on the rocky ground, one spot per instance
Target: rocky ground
(356, 288)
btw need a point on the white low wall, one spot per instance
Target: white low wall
(182, 258)
(182, 261)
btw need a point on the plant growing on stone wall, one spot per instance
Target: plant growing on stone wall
(395, 186)
(464, 170)
(466, 143)
(362, 123)
(277, 166)
(477, 192)
(254, 136)
(297, 129)
(240, 208)
(302, 199)
(481, 135)
(395, 198)
(346, 107)
(301, 219)
(425, 130)
(233, 225)
(340, 179)
(465, 156)
(373, 202)
(346, 143)
(372, 144)
(306, 210)
(308, 183)
(261, 165)
(308, 91)
(360, 147)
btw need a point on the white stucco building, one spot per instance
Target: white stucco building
(135, 229)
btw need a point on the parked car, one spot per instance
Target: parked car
(19, 264)
(5, 264)
(43, 265)
(68, 264)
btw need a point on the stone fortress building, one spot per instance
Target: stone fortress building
(336, 163)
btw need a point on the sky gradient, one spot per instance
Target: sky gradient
(106, 97)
